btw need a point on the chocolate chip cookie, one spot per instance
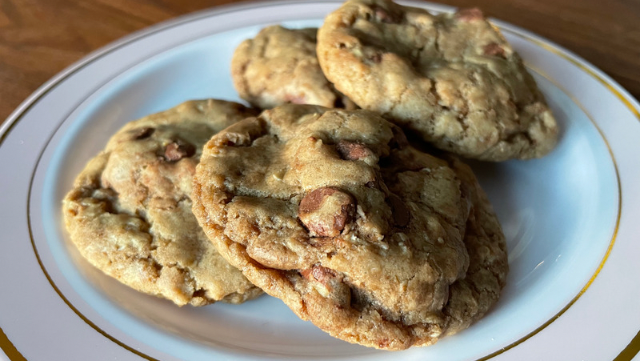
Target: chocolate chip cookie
(129, 213)
(470, 298)
(333, 212)
(280, 66)
(452, 78)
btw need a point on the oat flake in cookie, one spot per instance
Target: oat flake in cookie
(451, 78)
(334, 213)
(280, 66)
(129, 213)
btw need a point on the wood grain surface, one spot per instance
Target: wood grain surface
(39, 38)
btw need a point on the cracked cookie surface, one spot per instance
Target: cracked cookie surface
(129, 213)
(451, 78)
(280, 66)
(333, 212)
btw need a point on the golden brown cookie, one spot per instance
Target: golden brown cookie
(452, 79)
(280, 66)
(129, 213)
(472, 297)
(334, 213)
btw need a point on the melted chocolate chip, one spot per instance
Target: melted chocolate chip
(349, 150)
(494, 49)
(318, 273)
(326, 211)
(177, 150)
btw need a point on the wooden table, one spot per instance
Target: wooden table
(39, 38)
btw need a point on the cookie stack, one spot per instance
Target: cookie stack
(317, 202)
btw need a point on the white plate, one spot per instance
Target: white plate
(571, 218)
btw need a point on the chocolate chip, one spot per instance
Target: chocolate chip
(326, 211)
(349, 150)
(494, 49)
(142, 133)
(401, 214)
(470, 14)
(306, 273)
(313, 199)
(178, 150)
(318, 273)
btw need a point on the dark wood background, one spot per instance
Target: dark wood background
(39, 38)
